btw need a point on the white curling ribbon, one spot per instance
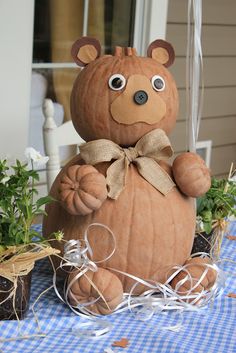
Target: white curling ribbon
(158, 298)
(162, 297)
(92, 329)
(108, 350)
(194, 72)
(76, 255)
(79, 257)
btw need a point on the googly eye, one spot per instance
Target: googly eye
(117, 82)
(158, 83)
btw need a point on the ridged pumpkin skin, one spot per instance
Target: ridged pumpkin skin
(153, 232)
(83, 291)
(82, 190)
(189, 166)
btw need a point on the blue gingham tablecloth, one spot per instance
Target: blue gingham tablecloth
(212, 329)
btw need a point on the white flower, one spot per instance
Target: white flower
(59, 235)
(35, 157)
(233, 178)
(199, 224)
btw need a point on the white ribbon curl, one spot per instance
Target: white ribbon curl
(79, 257)
(157, 298)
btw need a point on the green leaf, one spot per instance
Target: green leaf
(207, 227)
(43, 201)
(200, 204)
(207, 216)
(40, 212)
(220, 200)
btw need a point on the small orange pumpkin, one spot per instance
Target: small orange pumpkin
(87, 289)
(82, 189)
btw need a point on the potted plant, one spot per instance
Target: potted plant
(20, 244)
(213, 210)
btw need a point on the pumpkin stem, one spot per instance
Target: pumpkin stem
(128, 51)
(118, 51)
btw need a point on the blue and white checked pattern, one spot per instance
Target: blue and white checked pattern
(209, 330)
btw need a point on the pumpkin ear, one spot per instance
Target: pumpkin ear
(85, 50)
(162, 52)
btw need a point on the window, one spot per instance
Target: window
(203, 148)
(58, 23)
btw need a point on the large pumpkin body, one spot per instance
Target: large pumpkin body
(153, 232)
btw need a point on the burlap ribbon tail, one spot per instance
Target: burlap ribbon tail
(148, 151)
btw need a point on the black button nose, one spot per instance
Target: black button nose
(140, 97)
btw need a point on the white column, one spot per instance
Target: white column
(150, 23)
(16, 38)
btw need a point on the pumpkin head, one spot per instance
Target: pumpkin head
(123, 97)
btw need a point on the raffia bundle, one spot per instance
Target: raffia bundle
(19, 260)
(219, 229)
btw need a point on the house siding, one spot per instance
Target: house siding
(219, 59)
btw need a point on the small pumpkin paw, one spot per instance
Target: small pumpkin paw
(82, 189)
(190, 281)
(92, 286)
(191, 174)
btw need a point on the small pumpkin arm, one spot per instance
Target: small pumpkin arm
(191, 174)
(82, 189)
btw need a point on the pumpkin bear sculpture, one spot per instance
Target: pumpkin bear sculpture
(124, 106)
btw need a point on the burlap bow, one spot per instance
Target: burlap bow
(151, 148)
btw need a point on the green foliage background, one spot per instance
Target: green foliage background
(17, 206)
(218, 203)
